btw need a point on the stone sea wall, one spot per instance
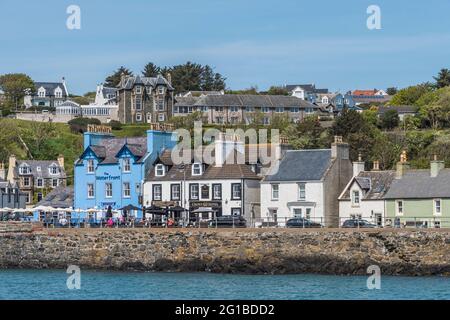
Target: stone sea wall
(270, 251)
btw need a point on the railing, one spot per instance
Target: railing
(279, 222)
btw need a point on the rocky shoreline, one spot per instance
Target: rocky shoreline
(247, 251)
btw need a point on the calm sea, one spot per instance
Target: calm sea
(51, 284)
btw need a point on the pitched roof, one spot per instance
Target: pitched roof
(60, 197)
(371, 99)
(50, 87)
(129, 82)
(399, 109)
(107, 149)
(43, 165)
(302, 165)
(375, 184)
(418, 184)
(364, 92)
(243, 100)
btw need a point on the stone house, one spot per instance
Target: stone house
(36, 178)
(144, 99)
(307, 183)
(10, 195)
(47, 94)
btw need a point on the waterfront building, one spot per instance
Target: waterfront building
(419, 197)
(220, 187)
(36, 178)
(244, 108)
(47, 94)
(363, 197)
(10, 194)
(145, 99)
(307, 183)
(111, 170)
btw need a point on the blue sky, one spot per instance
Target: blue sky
(251, 42)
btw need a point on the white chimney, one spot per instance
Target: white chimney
(358, 166)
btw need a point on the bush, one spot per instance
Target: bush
(79, 125)
(115, 125)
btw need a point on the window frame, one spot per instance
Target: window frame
(435, 212)
(200, 167)
(232, 191)
(154, 193)
(89, 190)
(126, 165)
(399, 204)
(172, 197)
(157, 168)
(89, 162)
(213, 191)
(272, 190)
(108, 190)
(124, 189)
(190, 191)
(299, 195)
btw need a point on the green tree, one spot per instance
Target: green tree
(410, 95)
(151, 70)
(15, 86)
(113, 80)
(443, 78)
(219, 82)
(307, 134)
(274, 90)
(355, 130)
(389, 119)
(391, 91)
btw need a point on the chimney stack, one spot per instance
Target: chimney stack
(376, 165)
(61, 160)
(358, 166)
(2, 171)
(402, 165)
(436, 166)
(339, 149)
(169, 78)
(11, 167)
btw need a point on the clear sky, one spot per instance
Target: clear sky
(250, 42)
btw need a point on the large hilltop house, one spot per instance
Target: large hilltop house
(36, 178)
(47, 94)
(144, 99)
(243, 108)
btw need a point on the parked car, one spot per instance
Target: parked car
(358, 223)
(228, 222)
(302, 223)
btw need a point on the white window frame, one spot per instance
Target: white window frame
(41, 184)
(138, 89)
(126, 190)
(138, 117)
(160, 170)
(435, 211)
(274, 190)
(90, 191)
(51, 168)
(26, 184)
(301, 191)
(196, 166)
(53, 182)
(356, 198)
(399, 212)
(126, 165)
(90, 166)
(108, 190)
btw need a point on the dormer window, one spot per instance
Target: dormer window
(197, 169)
(58, 92)
(90, 166)
(126, 165)
(160, 170)
(138, 89)
(24, 170)
(161, 90)
(325, 100)
(38, 169)
(41, 92)
(53, 170)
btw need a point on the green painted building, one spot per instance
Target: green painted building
(419, 197)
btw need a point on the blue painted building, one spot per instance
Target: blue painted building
(111, 170)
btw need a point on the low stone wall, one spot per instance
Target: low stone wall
(231, 251)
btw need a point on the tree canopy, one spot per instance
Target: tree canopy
(113, 80)
(443, 78)
(15, 85)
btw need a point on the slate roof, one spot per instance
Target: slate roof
(399, 109)
(108, 148)
(375, 184)
(44, 166)
(50, 88)
(244, 100)
(302, 165)
(418, 184)
(176, 172)
(60, 197)
(109, 91)
(130, 81)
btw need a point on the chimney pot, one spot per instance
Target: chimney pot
(376, 165)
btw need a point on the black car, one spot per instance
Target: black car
(302, 223)
(228, 222)
(358, 223)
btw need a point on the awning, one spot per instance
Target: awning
(130, 207)
(203, 210)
